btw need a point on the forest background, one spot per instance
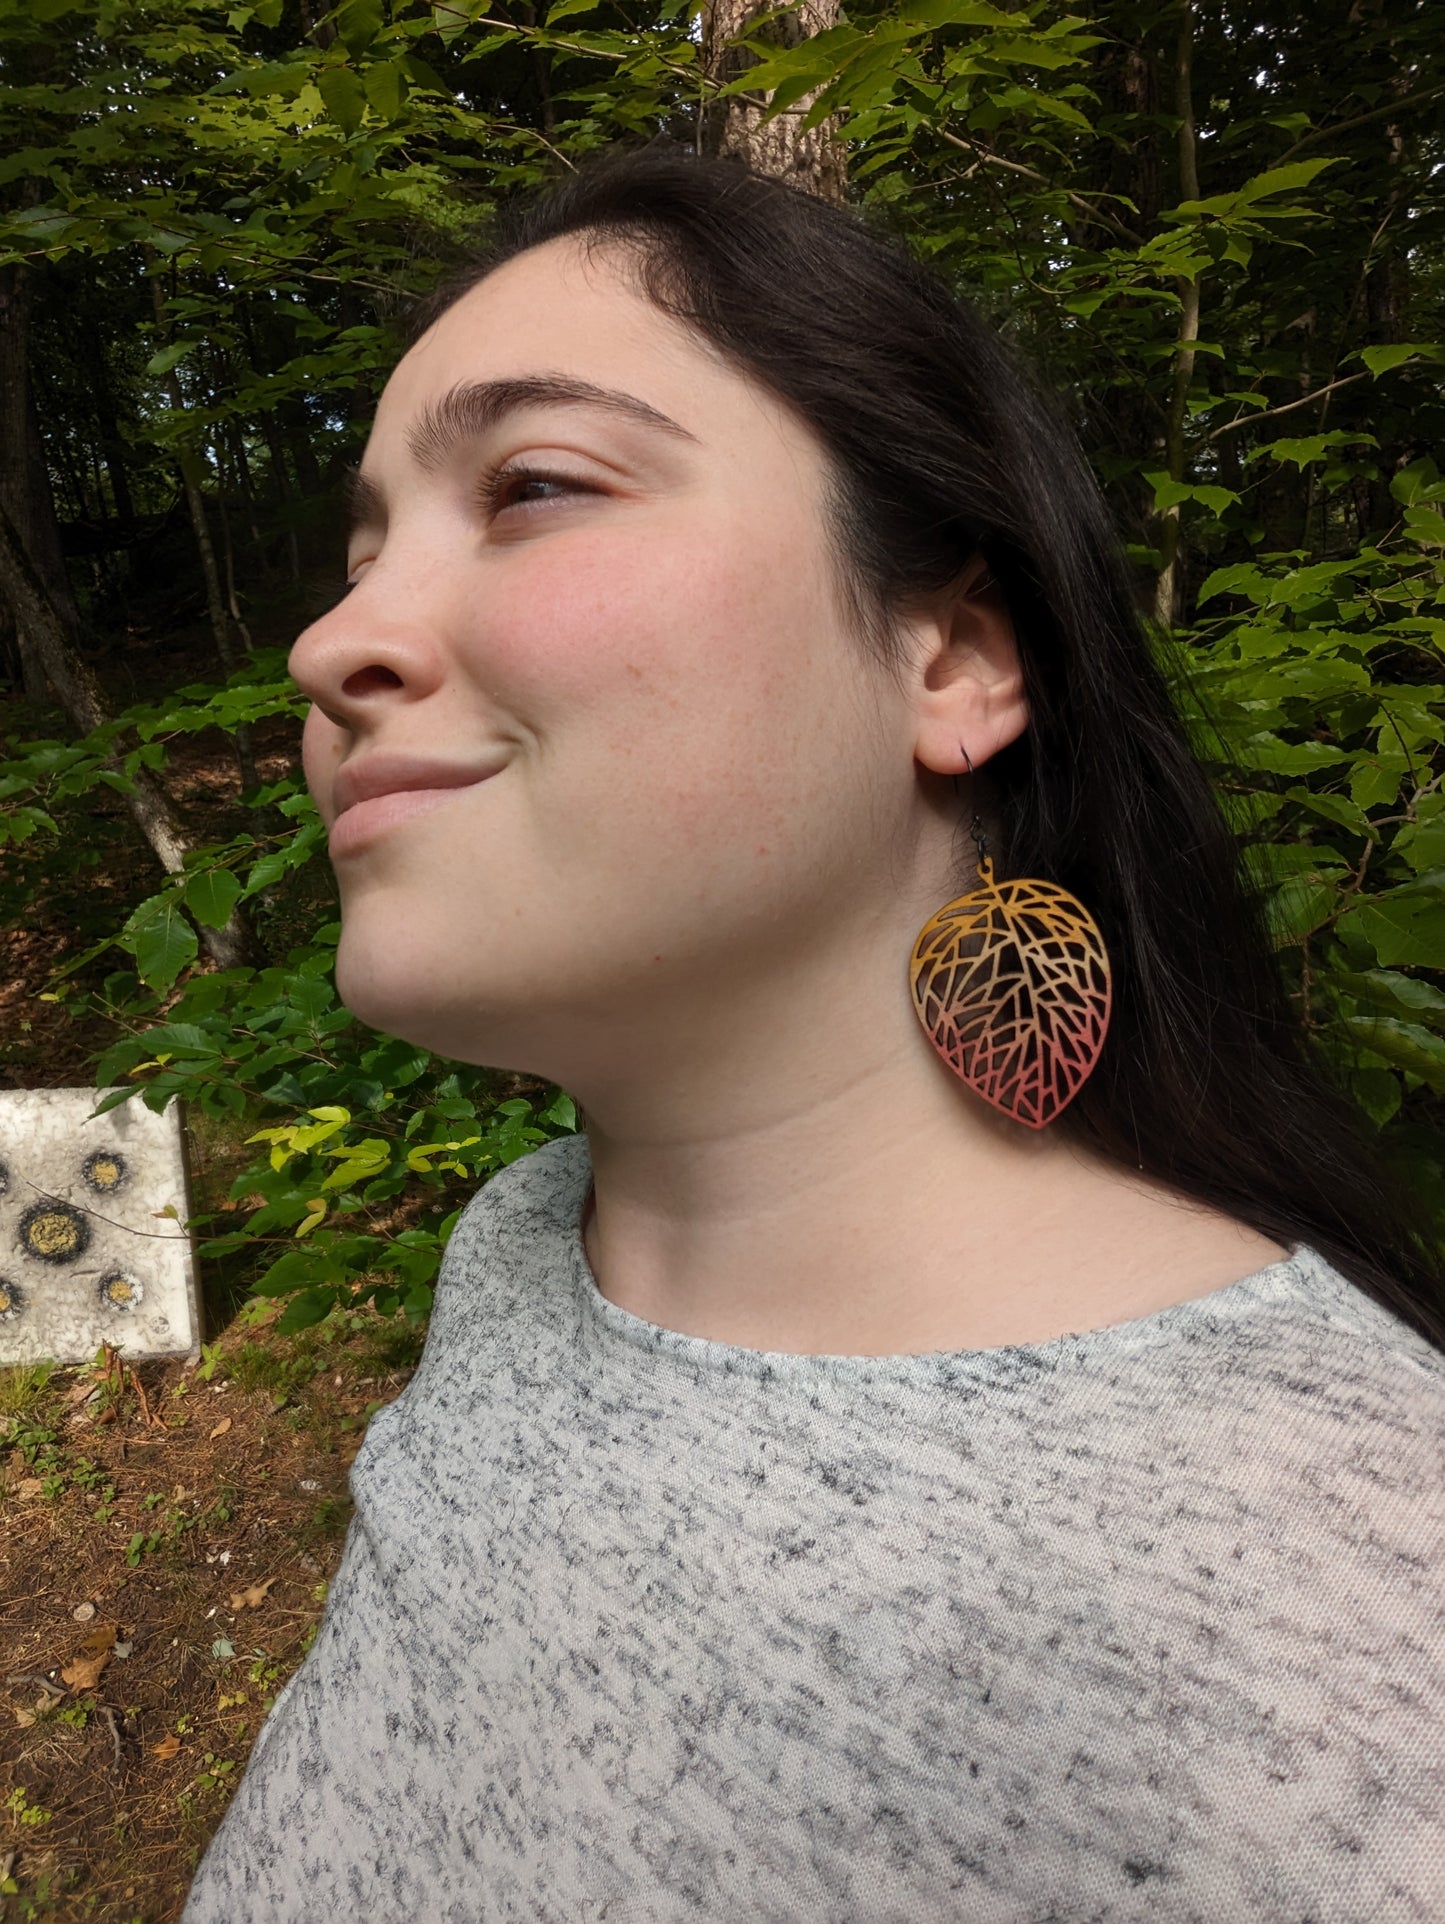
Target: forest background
(1217, 229)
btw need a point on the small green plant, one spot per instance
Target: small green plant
(216, 1771)
(36, 1441)
(23, 1812)
(210, 1361)
(59, 1712)
(86, 1475)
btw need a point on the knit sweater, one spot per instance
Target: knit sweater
(1144, 1625)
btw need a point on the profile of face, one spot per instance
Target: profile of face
(598, 750)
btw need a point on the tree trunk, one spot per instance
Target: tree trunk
(25, 492)
(84, 702)
(815, 160)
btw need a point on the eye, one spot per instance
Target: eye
(516, 486)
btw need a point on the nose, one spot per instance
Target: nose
(373, 651)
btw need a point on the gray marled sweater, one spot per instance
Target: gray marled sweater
(1141, 1624)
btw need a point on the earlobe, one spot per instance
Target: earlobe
(971, 700)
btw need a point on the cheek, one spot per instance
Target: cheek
(674, 627)
(322, 746)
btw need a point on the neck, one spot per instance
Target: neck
(819, 1182)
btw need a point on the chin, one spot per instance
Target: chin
(402, 1001)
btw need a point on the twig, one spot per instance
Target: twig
(990, 159)
(109, 1716)
(152, 1422)
(1347, 126)
(43, 1683)
(1266, 414)
(66, 1203)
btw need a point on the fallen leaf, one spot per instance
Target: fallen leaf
(28, 1488)
(101, 1638)
(81, 1393)
(84, 1672)
(25, 1718)
(167, 1747)
(253, 1598)
(221, 1428)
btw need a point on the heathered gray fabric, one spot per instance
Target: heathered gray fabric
(1142, 1624)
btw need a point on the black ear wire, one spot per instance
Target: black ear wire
(975, 827)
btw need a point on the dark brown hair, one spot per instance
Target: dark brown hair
(944, 448)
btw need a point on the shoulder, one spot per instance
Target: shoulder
(526, 1212)
(1324, 1394)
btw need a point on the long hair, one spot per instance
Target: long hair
(942, 447)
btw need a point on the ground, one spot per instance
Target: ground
(169, 1531)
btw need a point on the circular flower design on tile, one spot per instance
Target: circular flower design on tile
(119, 1291)
(104, 1170)
(12, 1300)
(54, 1231)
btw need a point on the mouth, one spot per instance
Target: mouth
(377, 794)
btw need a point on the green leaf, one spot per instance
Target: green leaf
(1405, 929)
(1380, 360)
(1304, 449)
(311, 1306)
(1387, 990)
(1405, 1044)
(344, 95)
(211, 894)
(359, 22)
(386, 89)
(161, 940)
(169, 357)
(1378, 1093)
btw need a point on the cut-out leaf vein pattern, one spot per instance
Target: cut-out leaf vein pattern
(1012, 984)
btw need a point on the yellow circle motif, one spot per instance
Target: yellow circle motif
(7, 1299)
(54, 1234)
(104, 1172)
(120, 1291)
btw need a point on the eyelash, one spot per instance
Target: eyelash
(495, 480)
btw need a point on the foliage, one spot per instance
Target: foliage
(1193, 217)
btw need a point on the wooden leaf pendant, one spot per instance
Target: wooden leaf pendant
(1011, 982)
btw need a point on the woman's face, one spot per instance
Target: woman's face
(594, 744)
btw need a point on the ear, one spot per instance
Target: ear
(968, 682)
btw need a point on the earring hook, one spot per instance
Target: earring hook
(975, 827)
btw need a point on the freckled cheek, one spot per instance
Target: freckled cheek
(605, 624)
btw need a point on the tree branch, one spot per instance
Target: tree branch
(1360, 120)
(1247, 420)
(990, 159)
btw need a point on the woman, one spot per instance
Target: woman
(866, 1476)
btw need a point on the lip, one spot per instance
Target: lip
(377, 792)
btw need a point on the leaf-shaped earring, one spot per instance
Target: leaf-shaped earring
(1011, 983)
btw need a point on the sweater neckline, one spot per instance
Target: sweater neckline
(1177, 1325)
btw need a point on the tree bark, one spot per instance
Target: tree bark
(84, 702)
(25, 492)
(816, 160)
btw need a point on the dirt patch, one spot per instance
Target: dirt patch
(167, 1535)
